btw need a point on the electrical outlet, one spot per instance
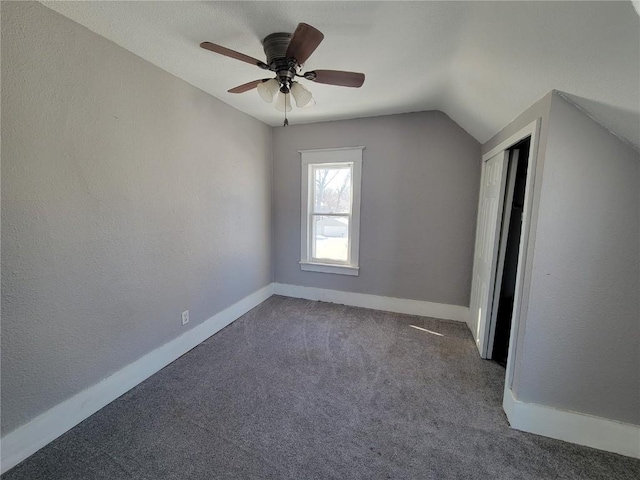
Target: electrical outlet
(185, 317)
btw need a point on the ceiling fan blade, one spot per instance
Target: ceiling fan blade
(233, 54)
(247, 86)
(304, 42)
(336, 77)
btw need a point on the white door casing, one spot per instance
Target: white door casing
(486, 251)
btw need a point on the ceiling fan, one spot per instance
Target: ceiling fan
(286, 53)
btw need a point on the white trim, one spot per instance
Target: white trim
(531, 130)
(375, 302)
(595, 432)
(309, 159)
(521, 134)
(572, 427)
(331, 149)
(31, 437)
(329, 268)
(517, 322)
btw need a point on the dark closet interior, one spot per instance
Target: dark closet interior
(510, 233)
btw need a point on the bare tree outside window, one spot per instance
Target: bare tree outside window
(332, 190)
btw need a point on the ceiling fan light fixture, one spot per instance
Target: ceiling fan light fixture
(286, 54)
(283, 102)
(311, 103)
(268, 89)
(301, 95)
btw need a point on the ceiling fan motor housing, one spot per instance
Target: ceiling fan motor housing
(275, 48)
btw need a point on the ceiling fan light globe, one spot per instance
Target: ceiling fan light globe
(301, 95)
(283, 102)
(311, 103)
(268, 89)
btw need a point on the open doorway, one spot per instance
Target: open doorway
(498, 302)
(501, 250)
(508, 252)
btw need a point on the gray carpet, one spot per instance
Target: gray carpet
(307, 390)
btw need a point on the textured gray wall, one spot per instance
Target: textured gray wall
(578, 344)
(128, 196)
(581, 350)
(420, 181)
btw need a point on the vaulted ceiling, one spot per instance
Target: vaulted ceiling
(482, 63)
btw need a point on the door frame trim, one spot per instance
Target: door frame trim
(531, 130)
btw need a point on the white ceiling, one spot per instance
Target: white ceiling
(482, 63)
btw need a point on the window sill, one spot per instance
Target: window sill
(330, 268)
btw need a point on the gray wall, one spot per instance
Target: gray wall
(581, 350)
(420, 180)
(578, 346)
(128, 196)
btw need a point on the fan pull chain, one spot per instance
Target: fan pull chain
(286, 121)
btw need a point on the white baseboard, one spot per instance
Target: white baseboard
(375, 302)
(572, 427)
(595, 432)
(31, 437)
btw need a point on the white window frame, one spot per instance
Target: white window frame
(327, 157)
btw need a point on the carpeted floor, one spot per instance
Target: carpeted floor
(308, 390)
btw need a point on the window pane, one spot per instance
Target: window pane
(332, 190)
(330, 238)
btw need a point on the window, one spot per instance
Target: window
(331, 210)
